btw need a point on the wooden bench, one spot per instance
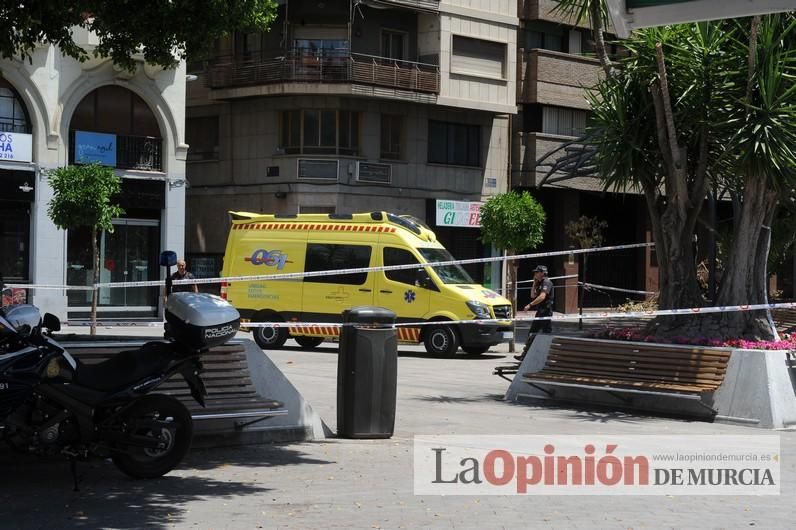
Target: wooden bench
(631, 368)
(232, 403)
(784, 320)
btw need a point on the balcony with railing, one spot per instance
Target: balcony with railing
(421, 5)
(323, 67)
(555, 78)
(141, 153)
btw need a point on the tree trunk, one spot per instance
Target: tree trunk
(674, 218)
(746, 277)
(512, 284)
(94, 295)
(599, 40)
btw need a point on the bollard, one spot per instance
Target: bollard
(367, 370)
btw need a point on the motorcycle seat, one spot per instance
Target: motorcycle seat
(126, 367)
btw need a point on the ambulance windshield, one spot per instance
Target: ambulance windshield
(447, 273)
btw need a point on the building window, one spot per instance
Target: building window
(13, 117)
(202, 137)
(321, 47)
(478, 57)
(563, 121)
(398, 256)
(393, 45)
(454, 144)
(392, 130)
(329, 257)
(545, 36)
(320, 132)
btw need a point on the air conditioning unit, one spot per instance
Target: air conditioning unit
(372, 172)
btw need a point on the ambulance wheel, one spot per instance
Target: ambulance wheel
(441, 340)
(309, 342)
(269, 338)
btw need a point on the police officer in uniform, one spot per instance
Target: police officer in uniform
(542, 298)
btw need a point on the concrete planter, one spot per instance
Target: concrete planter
(759, 390)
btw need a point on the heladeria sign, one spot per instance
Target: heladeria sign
(17, 147)
(459, 213)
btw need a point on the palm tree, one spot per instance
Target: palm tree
(715, 124)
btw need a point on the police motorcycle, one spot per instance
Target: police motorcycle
(52, 403)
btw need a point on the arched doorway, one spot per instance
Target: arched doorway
(17, 185)
(114, 126)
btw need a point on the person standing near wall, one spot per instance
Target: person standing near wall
(181, 274)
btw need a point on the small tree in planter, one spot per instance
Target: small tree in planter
(511, 222)
(82, 197)
(587, 232)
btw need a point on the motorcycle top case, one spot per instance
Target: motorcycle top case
(200, 320)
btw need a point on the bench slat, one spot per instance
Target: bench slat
(653, 351)
(607, 382)
(632, 367)
(636, 379)
(608, 356)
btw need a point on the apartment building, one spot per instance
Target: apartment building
(56, 111)
(349, 106)
(556, 63)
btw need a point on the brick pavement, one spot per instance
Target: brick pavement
(368, 483)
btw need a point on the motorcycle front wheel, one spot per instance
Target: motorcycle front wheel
(164, 419)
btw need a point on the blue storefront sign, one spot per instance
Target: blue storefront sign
(95, 147)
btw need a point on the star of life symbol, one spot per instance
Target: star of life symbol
(409, 296)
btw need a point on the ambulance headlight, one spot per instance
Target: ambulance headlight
(480, 309)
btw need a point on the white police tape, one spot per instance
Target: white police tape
(598, 286)
(551, 278)
(44, 287)
(585, 316)
(359, 270)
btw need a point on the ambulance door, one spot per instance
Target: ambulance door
(326, 296)
(399, 290)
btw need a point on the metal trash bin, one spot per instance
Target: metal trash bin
(367, 370)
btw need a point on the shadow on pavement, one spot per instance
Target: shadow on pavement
(332, 349)
(458, 357)
(452, 399)
(256, 455)
(601, 413)
(40, 495)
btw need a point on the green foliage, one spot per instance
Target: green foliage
(512, 221)
(83, 196)
(707, 73)
(164, 32)
(586, 231)
(623, 121)
(761, 134)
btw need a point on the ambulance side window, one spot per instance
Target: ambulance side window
(399, 256)
(327, 257)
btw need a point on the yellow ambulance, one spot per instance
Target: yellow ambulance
(310, 243)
